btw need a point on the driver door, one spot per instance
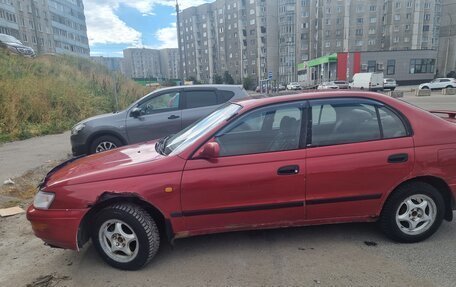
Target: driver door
(258, 178)
(160, 115)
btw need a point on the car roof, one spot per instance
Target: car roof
(197, 87)
(253, 103)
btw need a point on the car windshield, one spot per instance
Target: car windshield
(188, 136)
(9, 39)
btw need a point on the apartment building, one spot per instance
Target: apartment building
(113, 64)
(169, 63)
(142, 63)
(48, 26)
(8, 20)
(447, 40)
(229, 35)
(255, 37)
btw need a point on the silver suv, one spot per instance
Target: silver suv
(156, 115)
(15, 46)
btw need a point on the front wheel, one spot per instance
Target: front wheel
(125, 236)
(104, 143)
(412, 213)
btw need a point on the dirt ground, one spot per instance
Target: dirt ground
(331, 255)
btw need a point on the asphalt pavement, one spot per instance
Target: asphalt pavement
(18, 157)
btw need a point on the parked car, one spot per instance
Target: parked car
(158, 114)
(315, 158)
(294, 86)
(341, 84)
(282, 87)
(367, 81)
(389, 84)
(327, 86)
(15, 46)
(439, 83)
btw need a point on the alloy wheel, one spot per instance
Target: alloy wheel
(416, 214)
(118, 240)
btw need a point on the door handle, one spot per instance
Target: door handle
(288, 170)
(397, 158)
(173, 117)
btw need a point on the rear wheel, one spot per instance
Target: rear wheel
(412, 213)
(125, 236)
(448, 87)
(425, 88)
(104, 143)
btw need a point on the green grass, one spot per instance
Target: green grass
(49, 94)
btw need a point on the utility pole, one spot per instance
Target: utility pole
(181, 64)
(448, 45)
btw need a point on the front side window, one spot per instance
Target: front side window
(345, 121)
(162, 103)
(265, 130)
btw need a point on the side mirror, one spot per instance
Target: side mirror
(209, 150)
(135, 112)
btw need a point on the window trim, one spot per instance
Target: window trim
(376, 104)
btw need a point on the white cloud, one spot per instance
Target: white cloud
(167, 36)
(105, 27)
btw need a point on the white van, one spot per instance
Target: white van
(367, 81)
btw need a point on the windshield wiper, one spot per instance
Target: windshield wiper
(159, 146)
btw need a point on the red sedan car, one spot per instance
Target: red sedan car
(296, 160)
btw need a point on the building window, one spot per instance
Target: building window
(371, 66)
(425, 28)
(397, 17)
(391, 67)
(359, 20)
(420, 66)
(359, 32)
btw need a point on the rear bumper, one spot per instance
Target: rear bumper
(57, 228)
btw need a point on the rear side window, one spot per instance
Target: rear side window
(345, 121)
(196, 99)
(224, 96)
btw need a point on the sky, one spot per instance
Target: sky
(114, 25)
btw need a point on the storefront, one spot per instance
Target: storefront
(407, 67)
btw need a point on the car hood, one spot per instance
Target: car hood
(17, 45)
(128, 161)
(103, 117)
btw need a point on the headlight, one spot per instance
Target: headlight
(43, 199)
(77, 128)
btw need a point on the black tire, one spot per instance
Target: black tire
(394, 202)
(448, 87)
(425, 88)
(392, 89)
(104, 139)
(142, 225)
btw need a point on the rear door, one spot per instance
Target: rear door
(358, 151)
(197, 104)
(161, 115)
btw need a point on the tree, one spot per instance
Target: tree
(218, 79)
(227, 79)
(248, 83)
